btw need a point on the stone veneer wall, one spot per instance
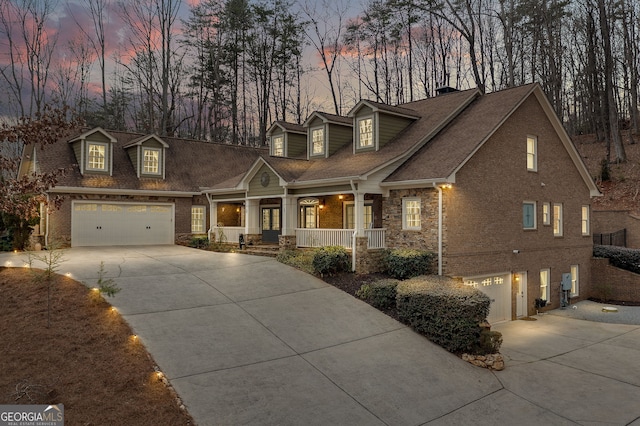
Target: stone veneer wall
(609, 282)
(424, 239)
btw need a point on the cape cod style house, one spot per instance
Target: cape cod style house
(490, 182)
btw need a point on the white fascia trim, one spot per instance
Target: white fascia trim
(419, 183)
(114, 191)
(323, 182)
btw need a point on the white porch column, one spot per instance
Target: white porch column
(252, 217)
(359, 213)
(213, 216)
(289, 215)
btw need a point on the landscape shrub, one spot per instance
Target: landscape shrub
(405, 263)
(444, 310)
(300, 259)
(380, 294)
(199, 242)
(620, 257)
(330, 260)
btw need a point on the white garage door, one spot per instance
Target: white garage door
(110, 224)
(498, 288)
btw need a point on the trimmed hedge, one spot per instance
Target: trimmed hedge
(199, 242)
(620, 257)
(380, 294)
(444, 310)
(330, 260)
(406, 263)
(300, 259)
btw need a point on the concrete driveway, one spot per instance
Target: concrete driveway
(247, 340)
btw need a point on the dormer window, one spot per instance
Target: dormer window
(151, 161)
(96, 156)
(365, 132)
(277, 148)
(317, 141)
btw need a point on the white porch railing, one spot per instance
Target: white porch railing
(317, 237)
(228, 234)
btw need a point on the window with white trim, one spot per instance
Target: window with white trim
(151, 161)
(97, 156)
(411, 210)
(197, 219)
(546, 214)
(586, 226)
(529, 215)
(532, 153)
(317, 141)
(575, 281)
(365, 132)
(350, 218)
(545, 288)
(557, 220)
(277, 148)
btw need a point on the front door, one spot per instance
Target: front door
(270, 224)
(521, 295)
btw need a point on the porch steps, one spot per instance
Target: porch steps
(269, 250)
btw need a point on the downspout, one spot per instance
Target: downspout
(439, 228)
(210, 216)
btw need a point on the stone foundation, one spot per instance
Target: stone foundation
(367, 261)
(287, 242)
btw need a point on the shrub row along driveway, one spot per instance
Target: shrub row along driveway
(247, 340)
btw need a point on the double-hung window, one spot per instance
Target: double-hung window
(277, 149)
(97, 155)
(197, 219)
(546, 214)
(545, 288)
(350, 219)
(529, 215)
(557, 220)
(317, 141)
(365, 132)
(532, 153)
(575, 280)
(586, 228)
(151, 161)
(411, 212)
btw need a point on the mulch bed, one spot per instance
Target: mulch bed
(87, 360)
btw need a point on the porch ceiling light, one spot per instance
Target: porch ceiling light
(446, 186)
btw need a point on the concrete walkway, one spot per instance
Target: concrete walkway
(246, 340)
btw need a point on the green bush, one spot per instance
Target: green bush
(489, 342)
(330, 260)
(406, 263)
(620, 257)
(380, 294)
(199, 242)
(300, 259)
(444, 310)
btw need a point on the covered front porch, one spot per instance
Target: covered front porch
(291, 221)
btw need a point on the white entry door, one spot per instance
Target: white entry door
(108, 224)
(498, 288)
(521, 294)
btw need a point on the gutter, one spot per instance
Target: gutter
(113, 191)
(355, 231)
(46, 234)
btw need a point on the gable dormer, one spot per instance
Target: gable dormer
(326, 133)
(287, 140)
(94, 151)
(375, 124)
(148, 156)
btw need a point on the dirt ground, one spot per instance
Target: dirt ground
(87, 360)
(622, 191)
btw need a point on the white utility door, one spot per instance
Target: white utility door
(521, 295)
(107, 224)
(498, 288)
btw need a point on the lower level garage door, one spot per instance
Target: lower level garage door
(110, 224)
(498, 288)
